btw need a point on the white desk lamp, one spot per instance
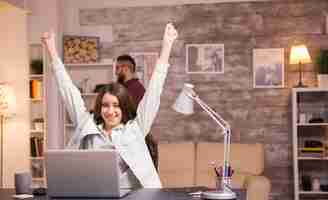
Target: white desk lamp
(184, 104)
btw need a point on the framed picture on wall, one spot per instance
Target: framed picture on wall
(268, 68)
(145, 64)
(204, 58)
(80, 49)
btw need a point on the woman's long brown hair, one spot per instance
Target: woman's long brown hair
(126, 102)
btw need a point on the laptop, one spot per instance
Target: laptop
(83, 173)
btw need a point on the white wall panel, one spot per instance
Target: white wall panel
(14, 69)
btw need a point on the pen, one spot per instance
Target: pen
(229, 171)
(215, 169)
(217, 172)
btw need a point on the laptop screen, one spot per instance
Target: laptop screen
(82, 173)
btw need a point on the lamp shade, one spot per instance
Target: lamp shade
(299, 54)
(184, 103)
(7, 100)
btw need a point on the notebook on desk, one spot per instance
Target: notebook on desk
(83, 173)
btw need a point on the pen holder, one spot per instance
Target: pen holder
(219, 182)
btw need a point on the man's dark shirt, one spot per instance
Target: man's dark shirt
(135, 89)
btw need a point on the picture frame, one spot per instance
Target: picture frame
(145, 64)
(268, 68)
(205, 58)
(80, 49)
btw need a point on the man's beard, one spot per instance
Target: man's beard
(120, 79)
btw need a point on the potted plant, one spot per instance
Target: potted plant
(322, 66)
(38, 124)
(36, 66)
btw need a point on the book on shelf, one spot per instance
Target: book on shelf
(312, 154)
(35, 89)
(40, 146)
(32, 147)
(36, 146)
(312, 149)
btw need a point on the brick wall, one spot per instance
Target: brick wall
(255, 115)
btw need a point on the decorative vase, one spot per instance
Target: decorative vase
(315, 184)
(323, 80)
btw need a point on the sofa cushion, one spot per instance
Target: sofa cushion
(244, 159)
(176, 164)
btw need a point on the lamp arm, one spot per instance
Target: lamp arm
(211, 113)
(227, 139)
(222, 121)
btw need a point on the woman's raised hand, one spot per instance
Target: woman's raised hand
(48, 40)
(170, 34)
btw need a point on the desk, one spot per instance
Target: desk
(142, 194)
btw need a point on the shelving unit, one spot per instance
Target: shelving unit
(37, 114)
(86, 76)
(313, 104)
(107, 63)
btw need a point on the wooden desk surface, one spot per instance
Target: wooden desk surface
(144, 194)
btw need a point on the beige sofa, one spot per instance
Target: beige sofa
(187, 164)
